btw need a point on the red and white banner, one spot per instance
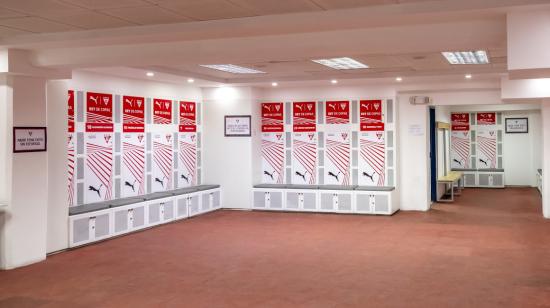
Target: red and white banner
(99, 112)
(187, 171)
(133, 164)
(70, 111)
(98, 173)
(372, 158)
(273, 158)
(370, 115)
(71, 167)
(304, 158)
(486, 149)
(460, 121)
(133, 114)
(188, 117)
(337, 112)
(337, 159)
(272, 117)
(162, 111)
(304, 117)
(486, 118)
(460, 149)
(162, 161)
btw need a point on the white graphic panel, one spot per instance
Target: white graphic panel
(273, 158)
(337, 159)
(162, 162)
(98, 172)
(460, 149)
(372, 158)
(71, 167)
(304, 158)
(187, 175)
(133, 164)
(486, 148)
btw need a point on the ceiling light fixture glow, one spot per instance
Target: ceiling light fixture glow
(150, 74)
(468, 76)
(466, 57)
(231, 68)
(334, 81)
(190, 80)
(398, 79)
(274, 84)
(344, 63)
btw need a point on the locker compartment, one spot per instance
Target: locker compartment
(194, 208)
(182, 206)
(137, 218)
(154, 214)
(216, 199)
(381, 204)
(309, 201)
(167, 208)
(81, 230)
(276, 200)
(363, 203)
(292, 200)
(260, 199)
(327, 201)
(344, 203)
(121, 217)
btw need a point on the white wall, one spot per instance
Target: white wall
(545, 113)
(522, 152)
(57, 234)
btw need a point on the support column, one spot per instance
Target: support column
(545, 112)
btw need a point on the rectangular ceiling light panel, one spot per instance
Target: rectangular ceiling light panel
(341, 63)
(466, 57)
(234, 69)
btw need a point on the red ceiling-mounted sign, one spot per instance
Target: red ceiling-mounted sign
(370, 114)
(188, 117)
(70, 111)
(272, 117)
(337, 112)
(99, 112)
(162, 111)
(304, 116)
(460, 121)
(133, 114)
(486, 118)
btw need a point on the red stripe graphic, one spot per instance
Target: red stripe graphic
(132, 119)
(71, 163)
(461, 148)
(100, 161)
(488, 147)
(96, 118)
(273, 153)
(163, 159)
(160, 120)
(134, 160)
(188, 157)
(373, 154)
(306, 154)
(338, 154)
(336, 120)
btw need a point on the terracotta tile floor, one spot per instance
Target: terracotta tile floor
(489, 249)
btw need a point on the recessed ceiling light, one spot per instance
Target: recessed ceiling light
(234, 69)
(150, 74)
(190, 80)
(398, 79)
(341, 63)
(466, 57)
(468, 76)
(274, 84)
(334, 81)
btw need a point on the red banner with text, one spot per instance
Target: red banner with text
(70, 112)
(486, 118)
(188, 117)
(99, 112)
(133, 114)
(460, 121)
(337, 112)
(162, 111)
(304, 116)
(370, 112)
(272, 117)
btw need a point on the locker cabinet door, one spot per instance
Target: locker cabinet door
(168, 210)
(81, 230)
(310, 201)
(276, 201)
(216, 200)
(381, 204)
(292, 201)
(154, 213)
(181, 210)
(259, 199)
(205, 207)
(344, 202)
(363, 203)
(121, 221)
(102, 226)
(138, 216)
(193, 205)
(327, 201)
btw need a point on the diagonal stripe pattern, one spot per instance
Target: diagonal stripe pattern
(134, 161)
(273, 154)
(306, 154)
(163, 159)
(338, 154)
(100, 161)
(373, 154)
(188, 157)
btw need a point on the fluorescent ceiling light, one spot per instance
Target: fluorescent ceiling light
(235, 69)
(334, 81)
(274, 84)
(398, 79)
(466, 57)
(190, 80)
(341, 63)
(468, 76)
(150, 74)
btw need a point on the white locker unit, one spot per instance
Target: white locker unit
(160, 208)
(90, 227)
(210, 200)
(375, 200)
(129, 217)
(336, 199)
(194, 204)
(490, 178)
(302, 198)
(267, 199)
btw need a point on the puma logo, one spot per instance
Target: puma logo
(370, 176)
(457, 161)
(97, 190)
(483, 161)
(126, 183)
(334, 175)
(269, 174)
(299, 107)
(186, 178)
(302, 175)
(332, 106)
(160, 181)
(93, 99)
(130, 102)
(268, 108)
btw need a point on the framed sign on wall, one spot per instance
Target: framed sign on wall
(29, 139)
(517, 125)
(237, 126)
